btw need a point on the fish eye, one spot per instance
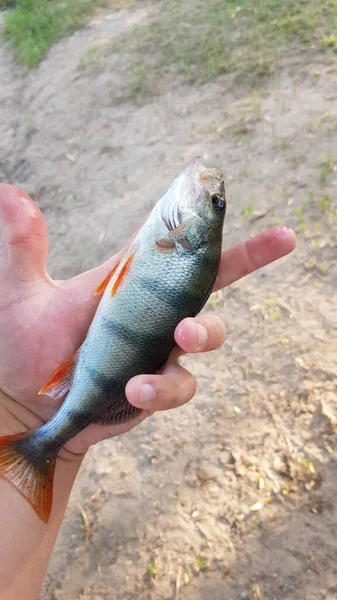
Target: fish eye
(218, 201)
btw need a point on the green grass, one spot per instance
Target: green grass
(201, 562)
(327, 167)
(191, 39)
(325, 203)
(330, 42)
(199, 40)
(152, 569)
(248, 211)
(35, 25)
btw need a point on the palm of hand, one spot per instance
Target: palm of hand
(43, 322)
(38, 331)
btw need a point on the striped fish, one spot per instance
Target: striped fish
(166, 274)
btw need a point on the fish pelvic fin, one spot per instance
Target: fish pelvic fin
(32, 478)
(59, 383)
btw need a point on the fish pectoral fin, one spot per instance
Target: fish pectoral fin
(184, 236)
(165, 244)
(33, 480)
(59, 384)
(102, 286)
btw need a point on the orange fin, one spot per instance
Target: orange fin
(58, 385)
(101, 288)
(121, 275)
(165, 244)
(33, 483)
(176, 236)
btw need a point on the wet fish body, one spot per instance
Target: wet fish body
(166, 274)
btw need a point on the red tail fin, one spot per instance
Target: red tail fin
(33, 484)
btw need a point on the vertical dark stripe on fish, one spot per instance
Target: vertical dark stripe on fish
(138, 339)
(108, 385)
(169, 295)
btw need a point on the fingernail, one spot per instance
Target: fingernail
(202, 334)
(284, 231)
(147, 393)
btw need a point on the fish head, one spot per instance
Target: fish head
(209, 193)
(198, 191)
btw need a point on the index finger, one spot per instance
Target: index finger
(256, 252)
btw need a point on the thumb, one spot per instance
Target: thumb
(25, 238)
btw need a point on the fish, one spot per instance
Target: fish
(166, 274)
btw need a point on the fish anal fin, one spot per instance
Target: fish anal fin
(102, 286)
(59, 384)
(122, 274)
(34, 484)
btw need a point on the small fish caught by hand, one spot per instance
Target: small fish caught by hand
(165, 275)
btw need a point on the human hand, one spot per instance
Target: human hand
(43, 322)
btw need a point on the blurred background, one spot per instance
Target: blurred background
(101, 105)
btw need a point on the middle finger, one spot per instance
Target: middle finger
(204, 333)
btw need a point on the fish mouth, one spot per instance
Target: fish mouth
(198, 177)
(194, 165)
(202, 174)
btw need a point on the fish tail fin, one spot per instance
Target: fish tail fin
(32, 475)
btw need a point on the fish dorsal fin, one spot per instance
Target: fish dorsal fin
(59, 384)
(102, 286)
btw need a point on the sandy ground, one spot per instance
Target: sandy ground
(233, 496)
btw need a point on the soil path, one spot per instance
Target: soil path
(233, 496)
